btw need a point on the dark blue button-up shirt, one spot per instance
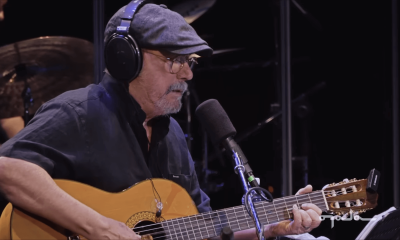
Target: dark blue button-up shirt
(95, 135)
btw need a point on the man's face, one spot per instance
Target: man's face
(163, 89)
(2, 3)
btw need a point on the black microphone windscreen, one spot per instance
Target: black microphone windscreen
(215, 120)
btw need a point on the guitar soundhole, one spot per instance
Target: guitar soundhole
(150, 228)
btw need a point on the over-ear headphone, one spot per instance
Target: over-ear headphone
(122, 54)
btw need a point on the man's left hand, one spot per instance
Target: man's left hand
(307, 218)
(304, 220)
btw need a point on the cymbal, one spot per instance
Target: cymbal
(50, 65)
(193, 9)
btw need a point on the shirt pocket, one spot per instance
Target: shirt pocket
(181, 179)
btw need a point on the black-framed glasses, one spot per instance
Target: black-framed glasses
(176, 64)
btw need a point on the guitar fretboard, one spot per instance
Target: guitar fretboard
(210, 224)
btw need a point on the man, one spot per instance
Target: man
(113, 135)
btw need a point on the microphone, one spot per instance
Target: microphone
(221, 131)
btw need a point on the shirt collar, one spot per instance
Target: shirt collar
(124, 100)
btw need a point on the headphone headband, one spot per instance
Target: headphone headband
(131, 9)
(126, 19)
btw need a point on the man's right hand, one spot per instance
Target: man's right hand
(30, 187)
(115, 230)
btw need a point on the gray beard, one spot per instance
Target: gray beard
(168, 107)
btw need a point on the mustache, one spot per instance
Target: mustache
(181, 86)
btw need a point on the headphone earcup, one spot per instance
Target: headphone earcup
(123, 57)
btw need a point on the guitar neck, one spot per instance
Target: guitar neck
(210, 224)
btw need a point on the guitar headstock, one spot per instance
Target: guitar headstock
(352, 196)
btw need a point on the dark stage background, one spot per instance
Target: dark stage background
(343, 130)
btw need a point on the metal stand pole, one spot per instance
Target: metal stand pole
(285, 71)
(395, 103)
(98, 39)
(239, 169)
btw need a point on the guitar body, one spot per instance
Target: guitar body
(134, 206)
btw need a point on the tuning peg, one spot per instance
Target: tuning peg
(344, 181)
(344, 191)
(358, 202)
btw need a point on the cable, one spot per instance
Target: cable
(159, 203)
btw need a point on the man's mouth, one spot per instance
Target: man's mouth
(177, 91)
(178, 88)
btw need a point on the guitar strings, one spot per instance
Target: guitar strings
(234, 226)
(227, 213)
(187, 231)
(237, 214)
(296, 196)
(277, 203)
(232, 211)
(269, 219)
(190, 232)
(205, 226)
(200, 235)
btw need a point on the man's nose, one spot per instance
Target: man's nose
(185, 73)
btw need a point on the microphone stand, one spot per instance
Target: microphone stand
(239, 169)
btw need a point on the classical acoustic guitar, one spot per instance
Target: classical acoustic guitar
(161, 209)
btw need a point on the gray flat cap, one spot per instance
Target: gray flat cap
(157, 27)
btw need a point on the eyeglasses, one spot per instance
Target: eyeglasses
(176, 64)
